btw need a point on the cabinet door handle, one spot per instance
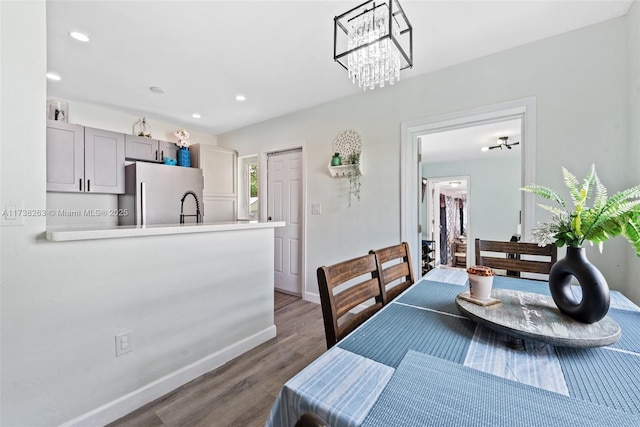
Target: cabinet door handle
(80, 184)
(162, 156)
(88, 185)
(269, 219)
(156, 154)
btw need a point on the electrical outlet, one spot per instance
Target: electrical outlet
(124, 343)
(316, 208)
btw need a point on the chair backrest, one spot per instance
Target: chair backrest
(510, 257)
(394, 267)
(335, 305)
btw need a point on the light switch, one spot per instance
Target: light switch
(316, 208)
(12, 212)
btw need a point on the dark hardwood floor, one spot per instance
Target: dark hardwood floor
(241, 392)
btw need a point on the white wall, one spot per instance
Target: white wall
(633, 49)
(494, 197)
(579, 80)
(63, 303)
(105, 118)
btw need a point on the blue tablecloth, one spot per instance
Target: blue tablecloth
(420, 362)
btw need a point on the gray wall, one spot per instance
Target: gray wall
(581, 85)
(633, 156)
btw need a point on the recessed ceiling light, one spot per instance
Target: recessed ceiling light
(195, 115)
(53, 76)
(156, 89)
(79, 36)
(240, 98)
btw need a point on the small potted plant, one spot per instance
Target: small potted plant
(606, 218)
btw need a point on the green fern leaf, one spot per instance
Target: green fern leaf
(630, 193)
(601, 195)
(572, 184)
(619, 214)
(607, 218)
(551, 209)
(545, 192)
(587, 183)
(631, 231)
(618, 208)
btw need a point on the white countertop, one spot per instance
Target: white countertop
(66, 233)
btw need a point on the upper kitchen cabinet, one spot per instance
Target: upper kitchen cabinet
(65, 157)
(148, 149)
(167, 149)
(83, 159)
(103, 161)
(141, 148)
(219, 168)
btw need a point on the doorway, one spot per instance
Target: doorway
(447, 212)
(284, 203)
(411, 164)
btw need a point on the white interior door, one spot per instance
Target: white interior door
(284, 203)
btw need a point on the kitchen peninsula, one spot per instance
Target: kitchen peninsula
(66, 233)
(194, 296)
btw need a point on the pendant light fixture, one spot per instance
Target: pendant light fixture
(502, 143)
(371, 42)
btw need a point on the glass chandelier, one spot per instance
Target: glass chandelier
(377, 35)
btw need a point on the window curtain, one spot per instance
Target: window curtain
(444, 239)
(453, 211)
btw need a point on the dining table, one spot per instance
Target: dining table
(419, 361)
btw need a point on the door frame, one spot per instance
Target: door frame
(430, 215)
(242, 192)
(262, 200)
(410, 165)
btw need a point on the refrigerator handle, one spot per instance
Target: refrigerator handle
(143, 203)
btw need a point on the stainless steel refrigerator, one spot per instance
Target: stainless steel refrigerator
(158, 194)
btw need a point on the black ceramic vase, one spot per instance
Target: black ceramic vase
(595, 290)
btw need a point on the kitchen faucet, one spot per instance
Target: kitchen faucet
(182, 215)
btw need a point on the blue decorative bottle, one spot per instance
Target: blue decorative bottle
(184, 157)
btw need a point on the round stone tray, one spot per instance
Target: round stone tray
(535, 317)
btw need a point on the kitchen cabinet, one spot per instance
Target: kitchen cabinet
(149, 149)
(167, 149)
(65, 157)
(219, 168)
(83, 159)
(141, 148)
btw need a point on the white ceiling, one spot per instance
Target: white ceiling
(466, 143)
(279, 54)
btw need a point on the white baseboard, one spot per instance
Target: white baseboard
(311, 297)
(150, 392)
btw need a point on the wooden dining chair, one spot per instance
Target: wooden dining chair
(509, 256)
(309, 419)
(359, 277)
(395, 270)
